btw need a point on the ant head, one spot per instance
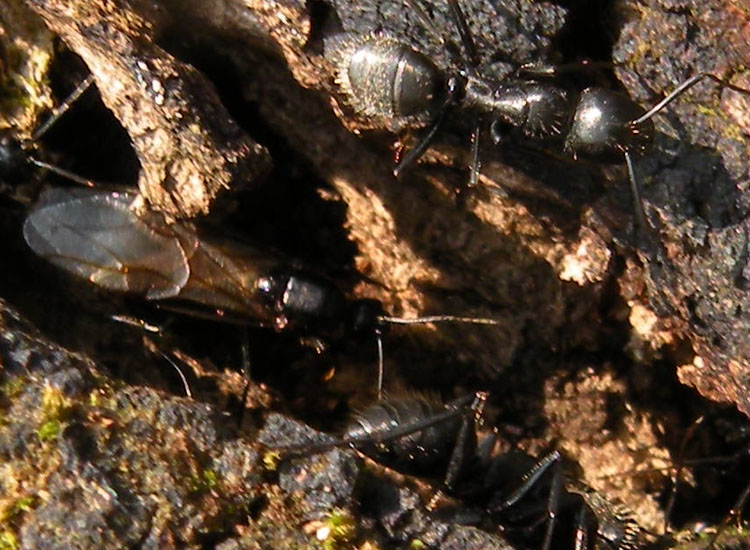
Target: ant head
(603, 126)
(367, 316)
(13, 156)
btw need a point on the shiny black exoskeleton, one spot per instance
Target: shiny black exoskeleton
(397, 87)
(114, 241)
(423, 436)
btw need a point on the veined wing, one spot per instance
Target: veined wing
(224, 274)
(95, 235)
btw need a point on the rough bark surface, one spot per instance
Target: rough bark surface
(189, 148)
(601, 330)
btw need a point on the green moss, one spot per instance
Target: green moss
(207, 481)
(56, 408)
(48, 430)
(271, 461)
(8, 540)
(341, 530)
(12, 387)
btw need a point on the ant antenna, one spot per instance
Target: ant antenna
(451, 47)
(681, 89)
(61, 109)
(62, 172)
(419, 321)
(469, 59)
(437, 319)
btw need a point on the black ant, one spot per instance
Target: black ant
(18, 157)
(111, 239)
(423, 436)
(385, 80)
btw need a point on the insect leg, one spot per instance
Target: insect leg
(476, 163)
(61, 109)
(467, 40)
(416, 153)
(735, 513)
(467, 431)
(581, 533)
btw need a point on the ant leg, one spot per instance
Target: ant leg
(381, 366)
(681, 89)
(455, 408)
(61, 109)
(530, 478)
(459, 19)
(416, 153)
(734, 513)
(476, 163)
(466, 436)
(635, 190)
(546, 70)
(463, 447)
(64, 173)
(675, 478)
(246, 366)
(454, 51)
(582, 534)
(553, 503)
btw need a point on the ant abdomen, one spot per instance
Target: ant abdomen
(428, 449)
(387, 81)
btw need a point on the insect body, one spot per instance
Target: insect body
(424, 436)
(99, 235)
(386, 81)
(102, 237)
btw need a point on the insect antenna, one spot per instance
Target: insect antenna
(381, 365)
(438, 319)
(63, 173)
(387, 319)
(681, 89)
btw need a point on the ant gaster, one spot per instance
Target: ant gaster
(397, 87)
(424, 436)
(112, 240)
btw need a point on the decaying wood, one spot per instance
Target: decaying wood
(594, 320)
(189, 148)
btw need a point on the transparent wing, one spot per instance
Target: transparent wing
(95, 235)
(224, 274)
